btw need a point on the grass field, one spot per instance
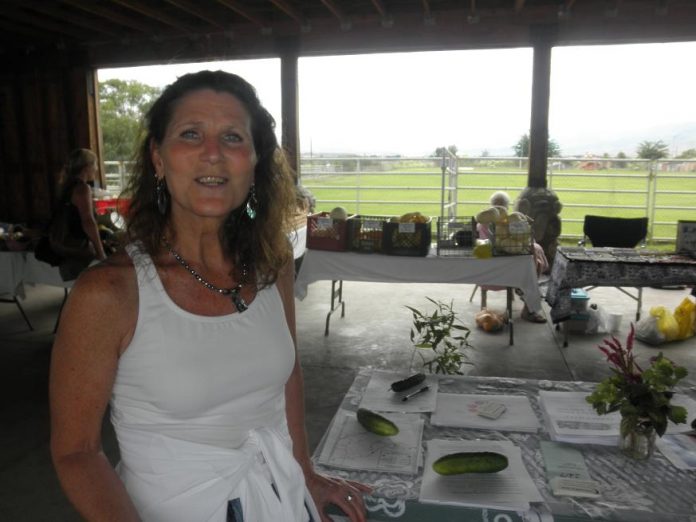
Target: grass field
(664, 198)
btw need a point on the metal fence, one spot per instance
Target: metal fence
(664, 190)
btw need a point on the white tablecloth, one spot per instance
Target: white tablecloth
(20, 268)
(513, 271)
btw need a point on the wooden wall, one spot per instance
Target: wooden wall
(45, 112)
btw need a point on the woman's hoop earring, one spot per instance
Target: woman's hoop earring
(161, 196)
(251, 203)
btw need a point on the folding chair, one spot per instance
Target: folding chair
(604, 231)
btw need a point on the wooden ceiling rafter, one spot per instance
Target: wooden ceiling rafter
(140, 7)
(338, 13)
(519, 5)
(291, 12)
(197, 11)
(244, 13)
(19, 15)
(74, 18)
(101, 11)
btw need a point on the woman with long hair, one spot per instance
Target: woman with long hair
(193, 343)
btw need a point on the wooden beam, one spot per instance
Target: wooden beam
(290, 11)
(519, 5)
(73, 18)
(197, 11)
(539, 123)
(289, 103)
(243, 12)
(11, 14)
(109, 14)
(380, 8)
(335, 10)
(155, 14)
(426, 9)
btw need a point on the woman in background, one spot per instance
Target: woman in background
(74, 232)
(192, 333)
(501, 199)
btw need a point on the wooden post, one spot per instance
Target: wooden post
(288, 50)
(542, 38)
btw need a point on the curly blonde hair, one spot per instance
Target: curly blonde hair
(261, 243)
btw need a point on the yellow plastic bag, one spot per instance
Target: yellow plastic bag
(685, 316)
(666, 322)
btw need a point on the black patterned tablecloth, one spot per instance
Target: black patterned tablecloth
(579, 267)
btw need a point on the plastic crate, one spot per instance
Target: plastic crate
(407, 239)
(579, 300)
(512, 239)
(456, 237)
(365, 233)
(326, 233)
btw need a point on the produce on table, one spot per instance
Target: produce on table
(375, 423)
(470, 462)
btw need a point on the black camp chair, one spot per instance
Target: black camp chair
(615, 232)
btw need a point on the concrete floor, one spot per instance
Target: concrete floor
(374, 333)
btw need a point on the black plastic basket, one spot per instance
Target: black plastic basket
(407, 239)
(365, 233)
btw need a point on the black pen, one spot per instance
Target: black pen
(417, 392)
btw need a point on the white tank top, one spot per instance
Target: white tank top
(202, 379)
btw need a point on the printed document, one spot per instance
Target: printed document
(510, 489)
(350, 446)
(464, 411)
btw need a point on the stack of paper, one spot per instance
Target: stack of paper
(509, 489)
(350, 446)
(466, 411)
(570, 418)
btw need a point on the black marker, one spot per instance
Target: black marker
(417, 392)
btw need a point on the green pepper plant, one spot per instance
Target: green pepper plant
(442, 333)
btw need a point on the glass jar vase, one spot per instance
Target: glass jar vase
(639, 443)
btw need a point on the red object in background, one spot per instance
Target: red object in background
(104, 206)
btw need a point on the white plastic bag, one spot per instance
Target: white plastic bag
(648, 331)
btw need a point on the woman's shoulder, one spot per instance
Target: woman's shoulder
(112, 279)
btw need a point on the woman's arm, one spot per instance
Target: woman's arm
(95, 326)
(82, 199)
(325, 490)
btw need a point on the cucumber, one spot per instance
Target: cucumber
(376, 424)
(470, 462)
(407, 383)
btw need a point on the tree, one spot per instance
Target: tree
(687, 154)
(652, 150)
(122, 105)
(521, 148)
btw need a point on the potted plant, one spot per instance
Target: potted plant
(443, 334)
(641, 396)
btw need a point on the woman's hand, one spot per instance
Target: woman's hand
(345, 494)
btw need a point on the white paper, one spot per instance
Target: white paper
(510, 489)
(679, 449)
(461, 411)
(570, 418)
(379, 397)
(350, 446)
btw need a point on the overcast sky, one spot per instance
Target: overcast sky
(603, 99)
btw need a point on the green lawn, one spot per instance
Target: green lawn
(611, 192)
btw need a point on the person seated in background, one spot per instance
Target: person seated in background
(74, 234)
(502, 199)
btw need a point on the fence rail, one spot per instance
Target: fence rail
(663, 190)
